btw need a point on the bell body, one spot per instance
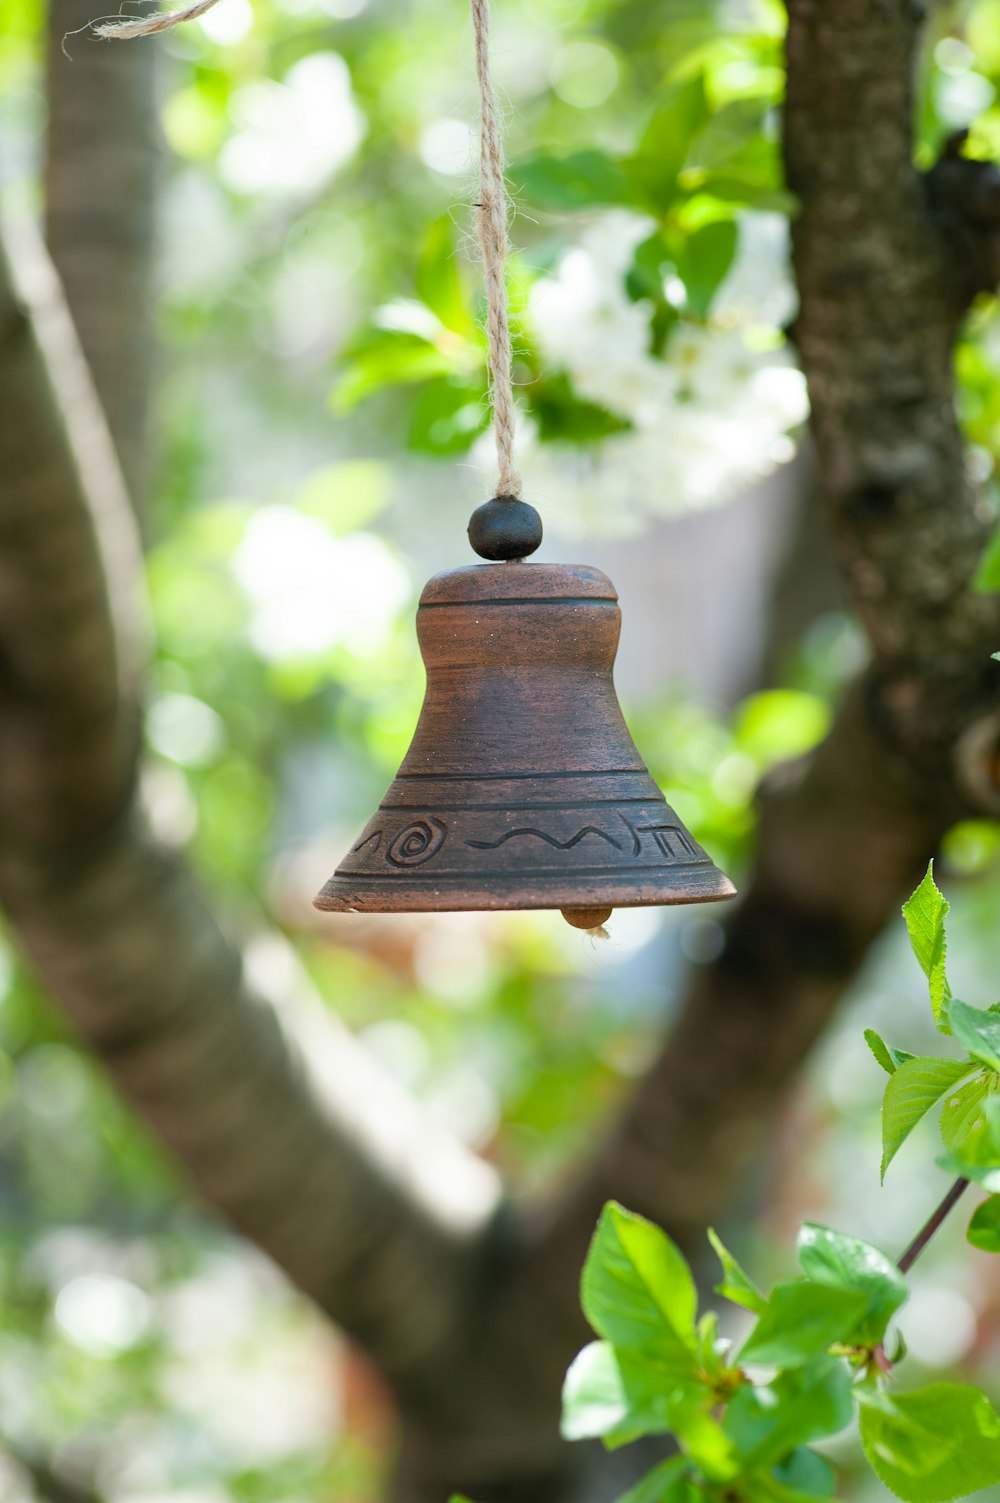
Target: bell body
(522, 787)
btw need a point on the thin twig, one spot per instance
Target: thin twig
(932, 1224)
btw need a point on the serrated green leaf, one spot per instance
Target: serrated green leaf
(843, 1262)
(984, 1228)
(637, 1290)
(909, 1095)
(766, 1422)
(986, 1175)
(987, 576)
(962, 1110)
(736, 1285)
(888, 1057)
(925, 913)
(977, 1031)
(880, 1049)
(939, 1443)
(978, 1156)
(800, 1321)
(620, 1396)
(582, 179)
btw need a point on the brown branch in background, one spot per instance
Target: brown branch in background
(101, 178)
(303, 1145)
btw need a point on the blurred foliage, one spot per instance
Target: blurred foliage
(320, 423)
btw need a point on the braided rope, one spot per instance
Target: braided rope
(491, 224)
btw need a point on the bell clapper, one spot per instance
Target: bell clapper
(591, 919)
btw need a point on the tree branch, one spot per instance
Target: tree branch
(302, 1145)
(102, 153)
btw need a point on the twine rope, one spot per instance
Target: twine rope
(492, 214)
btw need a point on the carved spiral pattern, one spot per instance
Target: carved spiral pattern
(418, 842)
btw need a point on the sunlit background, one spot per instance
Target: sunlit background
(319, 444)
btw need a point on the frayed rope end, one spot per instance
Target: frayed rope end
(121, 29)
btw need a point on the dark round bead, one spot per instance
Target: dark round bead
(505, 528)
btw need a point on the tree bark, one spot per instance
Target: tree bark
(100, 200)
(472, 1310)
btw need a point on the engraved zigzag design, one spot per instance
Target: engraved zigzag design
(560, 845)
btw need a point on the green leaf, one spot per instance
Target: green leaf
(768, 1421)
(736, 1285)
(963, 1111)
(977, 1031)
(909, 1095)
(978, 1156)
(880, 1049)
(800, 1321)
(987, 576)
(703, 1439)
(663, 148)
(637, 1290)
(807, 1472)
(439, 281)
(580, 180)
(564, 416)
(666, 1483)
(446, 416)
(707, 256)
(710, 1349)
(938, 1443)
(387, 357)
(620, 1396)
(984, 1228)
(925, 913)
(843, 1262)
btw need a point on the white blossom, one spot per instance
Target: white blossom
(712, 415)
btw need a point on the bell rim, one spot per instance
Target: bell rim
(343, 895)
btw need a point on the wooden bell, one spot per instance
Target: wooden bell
(522, 787)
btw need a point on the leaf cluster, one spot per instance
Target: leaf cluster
(966, 1087)
(746, 1419)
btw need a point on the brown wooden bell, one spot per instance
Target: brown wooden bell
(522, 787)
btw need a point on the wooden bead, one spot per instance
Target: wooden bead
(504, 529)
